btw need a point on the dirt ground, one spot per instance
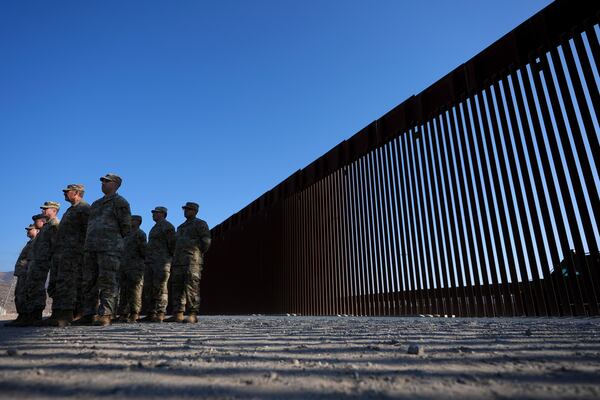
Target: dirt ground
(269, 357)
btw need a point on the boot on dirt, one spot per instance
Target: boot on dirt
(133, 318)
(85, 320)
(32, 319)
(158, 317)
(177, 317)
(123, 318)
(102, 320)
(147, 318)
(192, 318)
(62, 318)
(48, 321)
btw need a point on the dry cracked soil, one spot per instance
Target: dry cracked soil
(295, 357)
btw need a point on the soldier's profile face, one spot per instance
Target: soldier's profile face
(158, 216)
(39, 223)
(31, 233)
(49, 212)
(189, 213)
(135, 223)
(108, 186)
(70, 195)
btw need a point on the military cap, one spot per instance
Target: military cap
(30, 227)
(112, 178)
(191, 206)
(138, 217)
(159, 209)
(74, 186)
(38, 216)
(50, 204)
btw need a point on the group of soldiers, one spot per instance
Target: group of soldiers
(101, 269)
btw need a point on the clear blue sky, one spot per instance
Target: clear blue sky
(212, 102)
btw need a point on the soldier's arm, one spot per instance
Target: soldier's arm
(170, 234)
(84, 216)
(21, 261)
(123, 214)
(205, 237)
(142, 244)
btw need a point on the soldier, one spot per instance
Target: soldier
(68, 258)
(192, 241)
(108, 224)
(38, 221)
(161, 246)
(37, 271)
(131, 272)
(21, 273)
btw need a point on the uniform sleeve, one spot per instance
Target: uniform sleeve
(123, 214)
(84, 217)
(142, 244)
(171, 239)
(205, 237)
(22, 261)
(52, 239)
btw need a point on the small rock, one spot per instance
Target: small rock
(296, 362)
(272, 376)
(461, 381)
(140, 364)
(248, 381)
(41, 372)
(356, 375)
(528, 332)
(12, 352)
(416, 349)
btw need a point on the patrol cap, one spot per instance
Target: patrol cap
(137, 217)
(30, 227)
(74, 186)
(112, 178)
(191, 206)
(159, 209)
(50, 204)
(38, 216)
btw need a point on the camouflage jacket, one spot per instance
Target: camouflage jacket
(192, 241)
(134, 251)
(109, 223)
(72, 229)
(161, 242)
(24, 258)
(44, 245)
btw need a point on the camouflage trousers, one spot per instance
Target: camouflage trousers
(35, 286)
(68, 282)
(130, 291)
(52, 281)
(157, 280)
(21, 294)
(100, 282)
(186, 287)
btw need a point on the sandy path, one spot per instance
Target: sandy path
(302, 357)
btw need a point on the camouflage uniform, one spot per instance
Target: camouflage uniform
(192, 241)
(161, 244)
(21, 265)
(68, 257)
(131, 273)
(108, 224)
(37, 271)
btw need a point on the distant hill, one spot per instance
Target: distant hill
(5, 281)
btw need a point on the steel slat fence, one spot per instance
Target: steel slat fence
(477, 197)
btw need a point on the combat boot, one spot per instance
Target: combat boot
(85, 320)
(133, 318)
(192, 318)
(147, 318)
(52, 320)
(158, 317)
(31, 319)
(63, 319)
(20, 318)
(103, 320)
(122, 318)
(176, 317)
